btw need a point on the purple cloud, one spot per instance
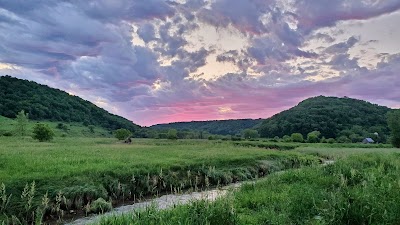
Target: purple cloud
(87, 47)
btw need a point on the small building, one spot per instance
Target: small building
(368, 141)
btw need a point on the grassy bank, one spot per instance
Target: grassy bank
(360, 189)
(74, 172)
(8, 127)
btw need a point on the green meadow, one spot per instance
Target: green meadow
(359, 188)
(84, 171)
(69, 173)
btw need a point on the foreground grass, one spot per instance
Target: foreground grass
(361, 189)
(76, 171)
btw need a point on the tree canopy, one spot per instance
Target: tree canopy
(45, 103)
(394, 125)
(332, 117)
(221, 127)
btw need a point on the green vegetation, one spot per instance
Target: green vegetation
(332, 117)
(122, 134)
(394, 125)
(359, 189)
(250, 134)
(8, 128)
(74, 172)
(313, 137)
(45, 103)
(172, 134)
(200, 212)
(297, 137)
(221, 127)
(42, 132)
(22, 123)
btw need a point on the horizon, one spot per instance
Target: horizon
(159, 61)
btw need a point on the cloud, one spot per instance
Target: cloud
(326, 13)
(87, 47)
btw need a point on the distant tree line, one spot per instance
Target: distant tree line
(220, 127)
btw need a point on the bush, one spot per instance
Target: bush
(172, 134)
(297, 137)
(42, 132)
(287, 138)
(313, 137)
(122, 134)
(100, 206)
(330, 140)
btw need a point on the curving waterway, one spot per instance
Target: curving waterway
(163, 202)
(168, 201)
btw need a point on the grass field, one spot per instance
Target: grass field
(357, 189)
(71, 129)
(76, 171)
(343, 152)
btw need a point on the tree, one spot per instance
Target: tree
(287, 138)
(313, 137)
(330, 140)
(297, 137)
(22, 123)
(250, 133)
(122, 134)
(343, 139)
(42, 132)
(172, 134)
(394, 126)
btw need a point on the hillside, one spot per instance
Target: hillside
(8, 128)
(333, 117)
(45, 103)
(222, 127)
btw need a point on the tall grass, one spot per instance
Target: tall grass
(76, 172)
(358, 190)
(198, 212)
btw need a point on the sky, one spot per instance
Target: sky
(161, 61)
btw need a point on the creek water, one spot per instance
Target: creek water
(170, 200)
(163, 202)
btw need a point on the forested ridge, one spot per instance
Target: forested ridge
(222, 127)
(349, 119)
(45, 103)
(333, 117)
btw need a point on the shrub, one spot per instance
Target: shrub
(330, 140)
(172, 134)
(287, 138)
(122, 134)
(297, 137)
(100, 206)
(313, 137)
(42, 132)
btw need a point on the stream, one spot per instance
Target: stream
(168, 201)
(163, 202)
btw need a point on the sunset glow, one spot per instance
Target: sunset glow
(157, 61)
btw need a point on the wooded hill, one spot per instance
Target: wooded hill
(333, 117)
(45, 103)
(222, 127)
